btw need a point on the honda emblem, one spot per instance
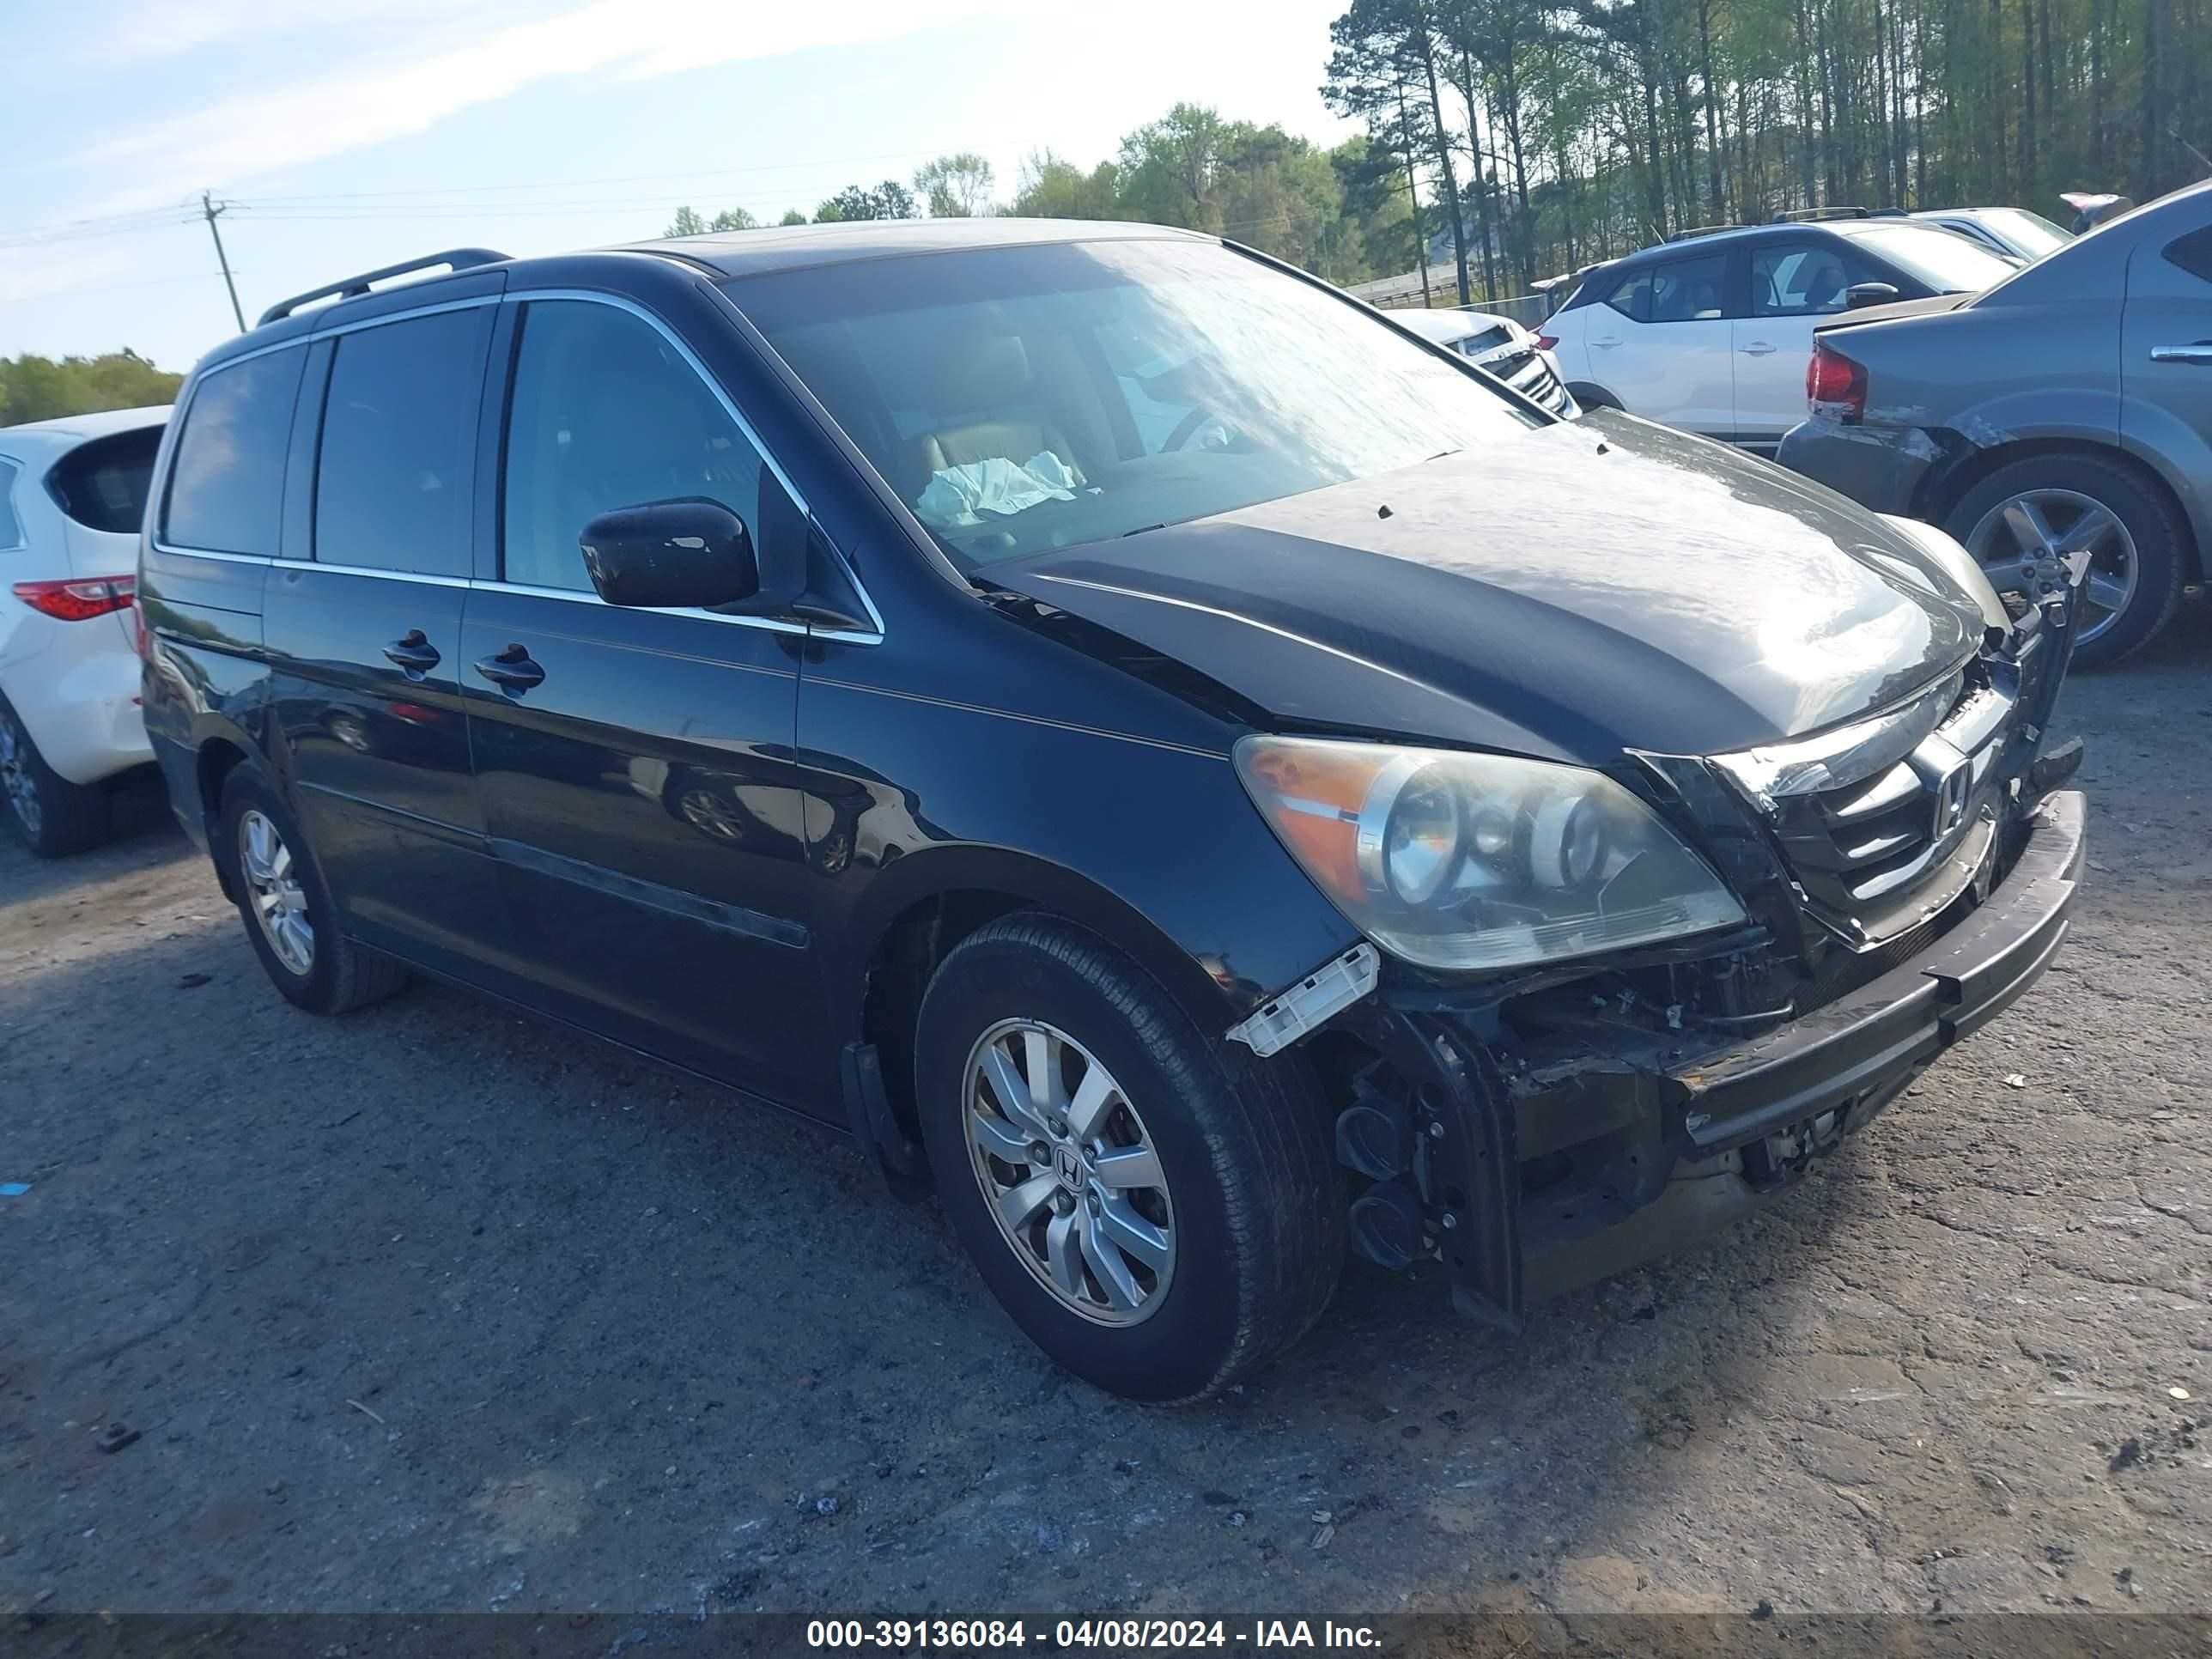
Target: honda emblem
(1952, 791)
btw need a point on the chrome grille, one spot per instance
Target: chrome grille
(1527, 373)
(1877, 819)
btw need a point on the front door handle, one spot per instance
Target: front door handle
(512, 670)
(1605, 345)
(413, 653)
(1758, 348)
(2200, 354)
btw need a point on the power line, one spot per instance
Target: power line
(630, 179)
(118, 288)
(61, 227)
(54, 238)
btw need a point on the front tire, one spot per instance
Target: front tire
(290, 919)
(1158, 1211)
(2030, 510)
(50, 815)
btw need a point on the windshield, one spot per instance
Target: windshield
(2031, 233)
(1026, 399)
(1946, 261)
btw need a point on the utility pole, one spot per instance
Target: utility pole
(209, 210)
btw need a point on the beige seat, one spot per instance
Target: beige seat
(990, 375)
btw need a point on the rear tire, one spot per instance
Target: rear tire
(273, 876)
(1247, 1198)
(50, 815)
(2153, 529)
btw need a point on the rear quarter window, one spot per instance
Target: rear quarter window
(11, 527)
(227, 486)
(2192, 253)
(1630, 295)
(103, 484)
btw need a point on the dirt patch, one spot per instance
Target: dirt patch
(528, 1257)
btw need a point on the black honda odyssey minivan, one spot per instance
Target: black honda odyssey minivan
(1203, 778)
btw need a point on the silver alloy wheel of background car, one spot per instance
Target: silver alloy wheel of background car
(2029, 534)
(272, 882)
(1069, 1172)
(16, 778)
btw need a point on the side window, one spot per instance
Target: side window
(11, 527)
(606, 413)
(2192, 253)
(1689, 290)
(103, 484)
(1632, 296)
(227, 486)
(1791, 279)
(399, 445)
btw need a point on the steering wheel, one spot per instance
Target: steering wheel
(1187, 428)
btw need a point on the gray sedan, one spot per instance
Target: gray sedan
(2068, 409)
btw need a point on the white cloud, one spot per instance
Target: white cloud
(166, 29)
(308, 120)
(35, 273)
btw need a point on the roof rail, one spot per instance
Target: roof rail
(453, 259)
(1815, 215)
(1704, 230)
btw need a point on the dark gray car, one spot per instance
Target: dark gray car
(2069, 408)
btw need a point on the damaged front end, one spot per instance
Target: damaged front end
(1904, 879)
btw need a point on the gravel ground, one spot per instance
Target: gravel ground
(434, 1308)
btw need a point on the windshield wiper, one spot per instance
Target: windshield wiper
(1142, 528)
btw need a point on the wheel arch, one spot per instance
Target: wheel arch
(215, 756)
(926, 903)
(1944, 488)
(1590, 395)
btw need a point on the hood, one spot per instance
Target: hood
(1596, 586)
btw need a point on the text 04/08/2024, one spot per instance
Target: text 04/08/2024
(1079, 1634)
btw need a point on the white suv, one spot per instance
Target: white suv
(1711, 332)
(72, 499)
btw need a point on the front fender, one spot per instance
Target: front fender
(1154, 846)
(1028, 882)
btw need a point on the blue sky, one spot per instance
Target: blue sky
(354, 133)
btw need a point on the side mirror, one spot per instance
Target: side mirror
(1859, 294)
(690, 553)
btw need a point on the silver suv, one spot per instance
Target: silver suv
(2066, 409)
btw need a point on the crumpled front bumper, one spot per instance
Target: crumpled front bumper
(1732, 1127)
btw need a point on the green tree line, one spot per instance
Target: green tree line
(1570, 130)
(42, 389)
(1342, 212)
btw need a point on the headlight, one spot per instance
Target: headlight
(1478, 861)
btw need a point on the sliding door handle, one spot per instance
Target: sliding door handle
(413, 652)
(512, 670)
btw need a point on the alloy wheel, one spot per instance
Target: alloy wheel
(15, 780)
(2030, 534)
(272, 880)
(1069, 1171)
